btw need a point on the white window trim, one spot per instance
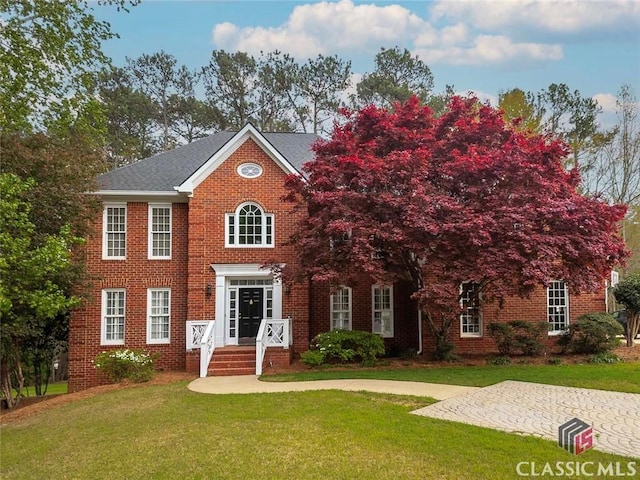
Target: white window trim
(103, 322)
(566, 307)
(151, 256)
(470, 334)
(350, 327)
(264, 215)
(105, 250)
(252, 165)
(383, 334)
(155, 341)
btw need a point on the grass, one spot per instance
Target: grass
(622, 377)
(166, 432)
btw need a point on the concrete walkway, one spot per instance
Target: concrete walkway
(251, 384)
(515, 407)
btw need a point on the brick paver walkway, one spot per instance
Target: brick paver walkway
(536, 409)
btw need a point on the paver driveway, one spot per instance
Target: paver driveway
(536, 409)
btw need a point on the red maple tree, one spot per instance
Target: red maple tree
(402, 195)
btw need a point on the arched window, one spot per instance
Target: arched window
(249, 227)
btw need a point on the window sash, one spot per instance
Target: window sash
(471, 316)
(160, 221)
(115, 231)
(382, 310)
(249, 227)
(159, 315)
(341, 309)
(557, 306)
(113, 317)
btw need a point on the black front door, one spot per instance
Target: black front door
(251, 312)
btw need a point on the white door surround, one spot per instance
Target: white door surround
(227, 275)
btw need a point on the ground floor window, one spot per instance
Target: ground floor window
(557, 306)
(471, 316)
(382, 310)
(341, 309)
(113, 316)
(158, 315)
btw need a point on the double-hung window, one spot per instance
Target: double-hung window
(557, 306)
(158, 315)
(382, 310)
(114, 244)
(471, 315)
(341, 309)
(160, 231)
(113, 316)
(249, 227)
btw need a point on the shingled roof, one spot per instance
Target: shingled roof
(164, 171)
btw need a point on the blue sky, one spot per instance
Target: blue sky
(481, 46)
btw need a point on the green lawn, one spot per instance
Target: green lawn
(169, 432)
(621, 377)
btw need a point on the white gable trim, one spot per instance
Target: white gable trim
(218, 158)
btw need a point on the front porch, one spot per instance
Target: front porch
(272, 348)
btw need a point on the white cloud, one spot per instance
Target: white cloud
(490, 49)
(607, 102)
(466, 33)
(326, 28)
(551, 16)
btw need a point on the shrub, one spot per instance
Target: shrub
(518, 336)
(503, 360)
(345, 346)
(605, 358)
(312, 358)
(134, 365)
(554, 361)
(591, 333)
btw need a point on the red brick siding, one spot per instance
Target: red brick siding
(135, 274)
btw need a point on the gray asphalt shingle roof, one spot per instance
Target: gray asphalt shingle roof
(166, 170)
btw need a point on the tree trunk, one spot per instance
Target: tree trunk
(633, 325)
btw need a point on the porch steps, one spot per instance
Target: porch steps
(228, 361)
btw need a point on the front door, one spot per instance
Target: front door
(250, 314)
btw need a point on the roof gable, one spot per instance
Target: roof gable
(227, 150)
(178, 171)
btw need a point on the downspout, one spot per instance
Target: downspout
(419, 352)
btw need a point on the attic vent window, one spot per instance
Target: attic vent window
(249, 170)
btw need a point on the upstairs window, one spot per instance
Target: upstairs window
(249, 227)
(557, 306)
(114, 245)
(382, 307)
(160, 231)
(341, 309)
(470, 318)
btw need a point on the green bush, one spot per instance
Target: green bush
(605, 358)
(518, 336)
(312, 358)
(134, 365)
(344, 346)
(591, 333)
(499, 361)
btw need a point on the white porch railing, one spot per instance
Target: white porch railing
(207, 347)
(195, 331)
(272, 333)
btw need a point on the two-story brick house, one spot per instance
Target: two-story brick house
(183, 239)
